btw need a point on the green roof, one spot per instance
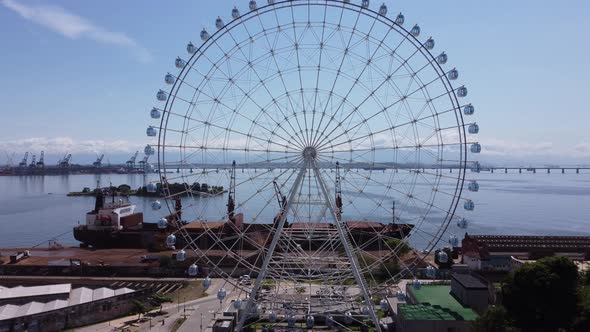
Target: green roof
(426, 312)
(437, 303)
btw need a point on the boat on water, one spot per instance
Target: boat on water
(116, 223)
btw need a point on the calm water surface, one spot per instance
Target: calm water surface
(33, 209)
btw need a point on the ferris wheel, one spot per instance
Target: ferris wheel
(314, 144)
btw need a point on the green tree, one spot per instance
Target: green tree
(542, 296)
(582, 321)
(140, 308)
(394, 243)
(495, 319)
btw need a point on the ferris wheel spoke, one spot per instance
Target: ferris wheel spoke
(279, 70)
(258, 125)
(355, 82)
(306, 139)
(247, 135)
(395, 103)
(388, 77)
(204, 148)
(384, 130)
(317, 82)
(272, 198)
(262, 82)
(369, 179)
(226, 167)
(247, 95)
(229, 251)
(412, 197)
(362, 192)
(403, 98)
(339, 71)
(401, 147)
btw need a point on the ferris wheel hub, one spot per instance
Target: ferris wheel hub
(309, 153)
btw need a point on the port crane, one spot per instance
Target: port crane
(9, 159)
(65, 162)
(131, 162)
(33, 162)
(98, 162)
(23, 163)
(41, 162)
(144, 162)
(231, 204)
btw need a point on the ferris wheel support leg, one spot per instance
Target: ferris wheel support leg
(345, 242)
(271, 248)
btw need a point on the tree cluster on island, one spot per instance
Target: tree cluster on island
(549, 295)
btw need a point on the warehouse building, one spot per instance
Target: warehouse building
(60, 307)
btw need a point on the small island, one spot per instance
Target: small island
(183, 189)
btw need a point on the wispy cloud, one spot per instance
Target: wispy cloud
(73, 26)
(61, 145)
(503, 150)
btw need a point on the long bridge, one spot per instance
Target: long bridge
(534, 169)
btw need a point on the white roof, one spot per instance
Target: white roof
(80, 295)
(8, 311)
(20, 291)
(77, 296)
(53, 305)
(29, 309)
(102, 293)
(122, 291)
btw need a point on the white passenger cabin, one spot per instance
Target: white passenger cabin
(109, 216)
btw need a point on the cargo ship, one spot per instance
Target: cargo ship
(117, 224)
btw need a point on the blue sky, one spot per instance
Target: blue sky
(81, 76)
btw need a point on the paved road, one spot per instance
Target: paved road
(206, 312)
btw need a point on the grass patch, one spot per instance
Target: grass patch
(177, 324)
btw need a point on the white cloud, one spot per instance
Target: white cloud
(62, 145)
(75, 27)
(498, 150)
(502, 147)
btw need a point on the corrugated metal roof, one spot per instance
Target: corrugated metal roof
(57, 304)
(29, 309)
(8, 311)
(102, 293)
(122, 291)
(77, 296)
(80, 295)
(8, 293)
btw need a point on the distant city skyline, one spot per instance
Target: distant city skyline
(81, 77)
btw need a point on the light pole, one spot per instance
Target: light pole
(201, 322)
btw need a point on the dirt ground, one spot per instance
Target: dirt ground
(62, 256)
